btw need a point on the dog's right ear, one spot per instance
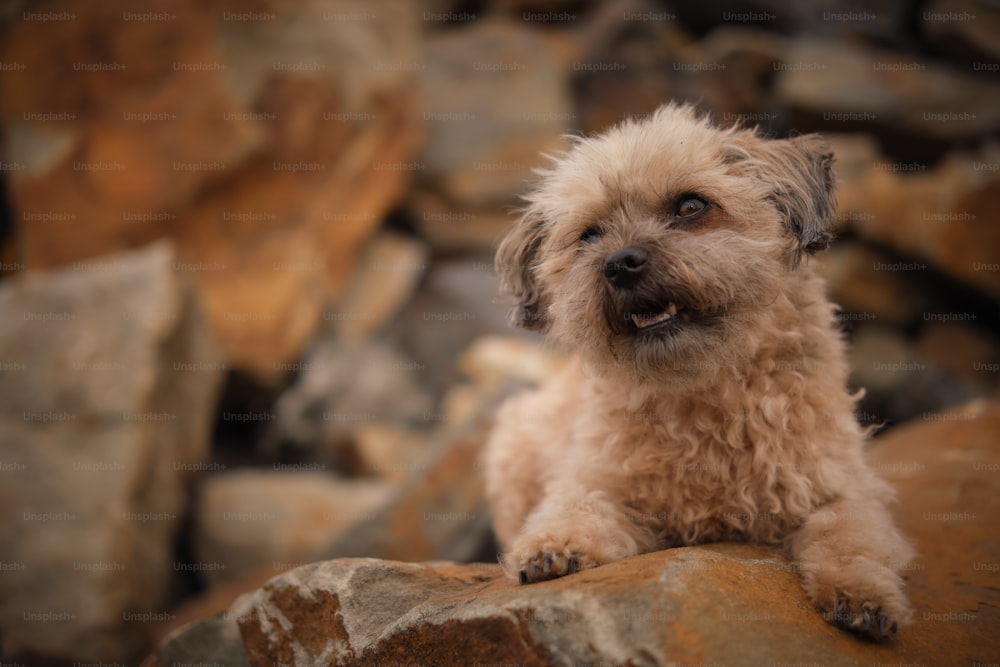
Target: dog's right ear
(516, 261)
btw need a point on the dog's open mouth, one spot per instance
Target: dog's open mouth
(670, 314)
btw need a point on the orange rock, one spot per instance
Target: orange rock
(254, 144)
(942, 216)
(732, 604)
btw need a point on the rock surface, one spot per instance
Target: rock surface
(342, 387)
(496, 97)
(894, 88)
(250, 520)
(942, 216)
(267, 142)
(727, 604)
(108, 389)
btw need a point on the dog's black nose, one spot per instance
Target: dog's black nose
(624, 268)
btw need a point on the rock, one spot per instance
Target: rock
(341, 387)
(940, 216)
(491, 360)
(249, 520)
(495, 98)
(945, 469)
(386, 276)
(858, 282)
(451, 229)
(899, 384)
(213, 641)
(267, 290)
(963, 350)
(632, 56)
(456, 305)
(965, 28)
(109, 380)
(439, 512)
(727, 603)
(270, 180)
(390, 452)
(825, 78)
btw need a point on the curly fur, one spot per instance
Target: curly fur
(737, 426)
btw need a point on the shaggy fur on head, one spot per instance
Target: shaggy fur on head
(706, 397)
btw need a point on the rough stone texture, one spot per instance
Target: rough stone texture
(109, 384)
(946, 470)
(855, 283)
(726, 604)
(965, 351)
(246, 521)
(215, 641)
(943, 216)
(268, 148)
(898, 381)
(493, 360)
(496, 97)
(386, 275)
(343, 386)
(965, 28)
(900, 89)
(439, 512)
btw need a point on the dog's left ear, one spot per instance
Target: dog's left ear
(800, 174)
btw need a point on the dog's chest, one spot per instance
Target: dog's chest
(698, 485)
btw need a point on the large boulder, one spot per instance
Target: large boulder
(268, 141)
(109, 383)
(730, 604)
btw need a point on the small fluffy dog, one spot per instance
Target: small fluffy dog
(706, 398)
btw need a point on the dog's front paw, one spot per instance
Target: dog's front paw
(863, 597)
(548, 554)
(548, 557)
(864, 617)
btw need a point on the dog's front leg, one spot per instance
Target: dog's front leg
(850, 553)
(573, 529)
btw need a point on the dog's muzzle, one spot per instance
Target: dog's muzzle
(625, 268)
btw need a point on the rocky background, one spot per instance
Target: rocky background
(248, 312)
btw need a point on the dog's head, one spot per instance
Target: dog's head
(661, 244)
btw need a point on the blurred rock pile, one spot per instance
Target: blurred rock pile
(248, 313)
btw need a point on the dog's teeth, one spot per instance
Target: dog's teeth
(643, 321)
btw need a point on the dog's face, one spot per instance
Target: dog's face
(660, 246)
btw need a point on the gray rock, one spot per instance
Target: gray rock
(252, 520)
(495, 97)
(343, 386)
(108, 388)
(214, 641)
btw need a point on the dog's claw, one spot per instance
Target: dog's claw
(870, 620)
(545, 565)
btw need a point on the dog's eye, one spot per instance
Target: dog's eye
(689, 206)
(590, 234)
